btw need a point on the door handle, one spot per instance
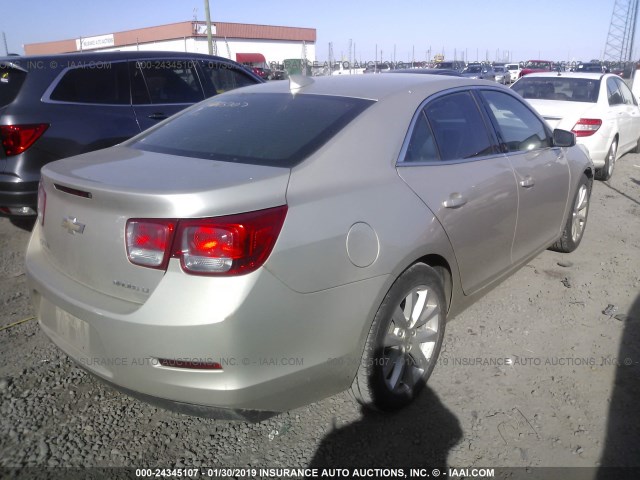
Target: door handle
(455, 200)
(157, 116)
(527, 182)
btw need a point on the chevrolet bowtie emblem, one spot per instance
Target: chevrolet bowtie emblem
(73, 226)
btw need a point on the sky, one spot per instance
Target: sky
(394, 31)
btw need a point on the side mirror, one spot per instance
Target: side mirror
(563, 138)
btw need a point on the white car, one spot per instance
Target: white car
(514, 70)
(599, 108)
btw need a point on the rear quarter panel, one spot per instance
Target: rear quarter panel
(353, 180)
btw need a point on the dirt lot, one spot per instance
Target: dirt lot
(535, 374)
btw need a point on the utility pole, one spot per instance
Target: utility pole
(6, 49)
(208, 18)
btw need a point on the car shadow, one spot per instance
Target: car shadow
(622, 445)
(419, 436)
(634, 200)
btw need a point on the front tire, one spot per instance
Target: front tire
(404, 341)
(576, 223)
(606, 171)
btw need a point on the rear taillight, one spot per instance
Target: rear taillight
(149, 242)
(42, 202)
(18, 138)
(229, 245)
(585, 127)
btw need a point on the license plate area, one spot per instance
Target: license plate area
(73, 330)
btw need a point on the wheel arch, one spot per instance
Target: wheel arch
(443, 268)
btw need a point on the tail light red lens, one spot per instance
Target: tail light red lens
(18, 138)
(149, 242)
(585, 127)
(228, 245)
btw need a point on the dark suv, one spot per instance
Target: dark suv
(57, 106)
(456, 65)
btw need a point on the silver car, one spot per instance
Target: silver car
(503, 75)
(226, 266)
(477, 71)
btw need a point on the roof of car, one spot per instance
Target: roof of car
(592, 75)
(104, 57)
(374, 87)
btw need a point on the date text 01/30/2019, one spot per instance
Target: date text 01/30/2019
(316, 472)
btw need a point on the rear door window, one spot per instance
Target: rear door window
(165, 82)
(99, 83)
(615, 97)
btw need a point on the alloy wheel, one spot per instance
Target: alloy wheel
(411, 339)
(579, 213)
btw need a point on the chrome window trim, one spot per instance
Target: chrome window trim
(405, 144)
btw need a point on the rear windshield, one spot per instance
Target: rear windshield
(558, 88)
(259, 128)
(11, 80)
(590, 68)
(539, 65)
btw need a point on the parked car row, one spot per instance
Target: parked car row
(481, 71)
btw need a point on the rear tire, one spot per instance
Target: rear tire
(576, 223)
(606, 171)
(404, 341)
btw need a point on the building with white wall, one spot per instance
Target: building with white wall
(237, 41)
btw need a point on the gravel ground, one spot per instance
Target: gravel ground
(535, 374)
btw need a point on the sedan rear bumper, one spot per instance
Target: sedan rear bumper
(231, 321)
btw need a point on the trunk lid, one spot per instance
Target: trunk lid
(89, 199)
(560, 114)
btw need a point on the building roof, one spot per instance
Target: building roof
(173, 31)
